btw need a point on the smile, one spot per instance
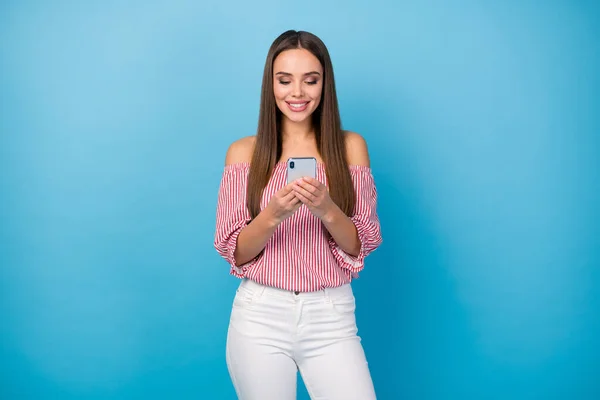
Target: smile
(298, 107)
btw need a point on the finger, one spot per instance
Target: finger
(295, 191)
(312, 181)
(297, 205)
(295, 200)
(291, 199)
(285, 190)
(304, 192)
(303, 198)
(294, 205)
(288, 198)
(306, 186)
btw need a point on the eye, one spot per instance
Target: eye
(311, 82)
(284, 82)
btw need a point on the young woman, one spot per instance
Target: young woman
(297, 246)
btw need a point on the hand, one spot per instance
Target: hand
(315, 195)
(283, 204)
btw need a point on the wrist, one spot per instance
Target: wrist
(270, 219)
(331, 215)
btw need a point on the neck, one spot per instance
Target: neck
(294, 131)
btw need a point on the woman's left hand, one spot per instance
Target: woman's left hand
(314, 195)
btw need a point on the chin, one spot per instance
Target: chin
(298, 118)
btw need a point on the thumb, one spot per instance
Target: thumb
(286, 190)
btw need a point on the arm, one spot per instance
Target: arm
(342, 231)
(365, 220)
(352, 239)
(314, 194)
(254, 236)
(340, 226)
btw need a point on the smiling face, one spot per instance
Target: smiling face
(297, 84)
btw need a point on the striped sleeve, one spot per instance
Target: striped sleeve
(232, 215)
(365, 219)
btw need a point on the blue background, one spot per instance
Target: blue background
(481, 119)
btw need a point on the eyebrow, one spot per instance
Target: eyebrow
(306, 74)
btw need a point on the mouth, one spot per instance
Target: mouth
(297, 106)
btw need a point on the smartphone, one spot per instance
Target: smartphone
(299, 167)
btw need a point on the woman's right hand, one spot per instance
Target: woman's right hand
(283, 204)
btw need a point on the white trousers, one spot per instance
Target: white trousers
(274, 333)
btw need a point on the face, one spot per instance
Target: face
(297, 83)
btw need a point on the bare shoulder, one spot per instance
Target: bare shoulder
(356, 149)
(240, 151)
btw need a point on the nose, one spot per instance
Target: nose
(297, 90)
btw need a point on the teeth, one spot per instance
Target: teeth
(298, 105)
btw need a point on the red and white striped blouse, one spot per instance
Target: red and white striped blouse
(301, 255)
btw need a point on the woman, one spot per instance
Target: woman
(297, 246)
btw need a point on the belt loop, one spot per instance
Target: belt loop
(326, 295)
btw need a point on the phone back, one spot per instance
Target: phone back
(299, 167)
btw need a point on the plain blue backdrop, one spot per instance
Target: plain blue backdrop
(481, 119)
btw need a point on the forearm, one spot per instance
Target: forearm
(254, 237)
(342, 230)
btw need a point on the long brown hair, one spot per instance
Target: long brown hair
(326, 122)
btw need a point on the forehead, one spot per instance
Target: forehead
(296, 62)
